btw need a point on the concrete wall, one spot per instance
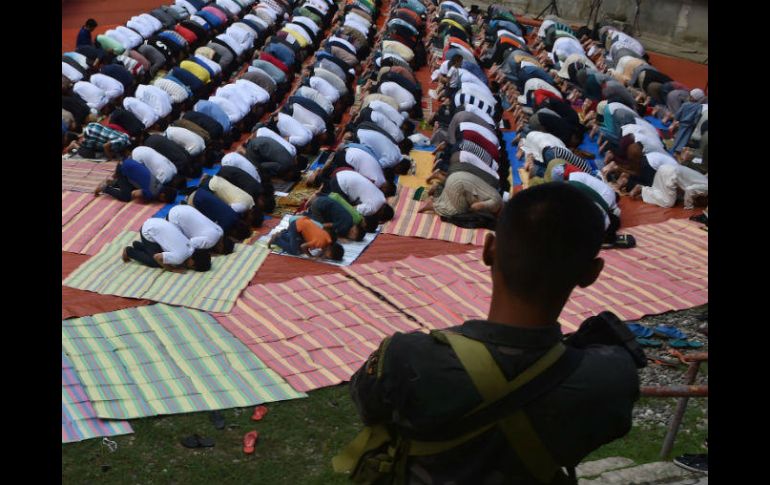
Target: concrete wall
(683, 23)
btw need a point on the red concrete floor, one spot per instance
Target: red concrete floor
(693, 74)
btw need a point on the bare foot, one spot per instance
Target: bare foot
(124, 255)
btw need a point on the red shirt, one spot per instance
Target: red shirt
(275, 61)
(485, 144)
(188, 34)
(568, 169)
(117, 128)
(541, 94)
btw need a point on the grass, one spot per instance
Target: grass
(643, 444)
(297, 441)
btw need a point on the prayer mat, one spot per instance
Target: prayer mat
(215, 290)
(85, 176)
(668, 270)
(353, 249)
(290, 203)
(315, 331)
(407, 222)
(100, 221)
(284, 186)
(76, 157)
(72, 203)
(515, 163)
(160, 359)
(423, 161)
(78, 417)
(79, 303)
(589, 145)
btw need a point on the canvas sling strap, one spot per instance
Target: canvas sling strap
(375, 456)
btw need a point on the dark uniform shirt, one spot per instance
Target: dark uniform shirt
(423, 386)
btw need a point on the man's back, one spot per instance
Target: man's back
(423, 384)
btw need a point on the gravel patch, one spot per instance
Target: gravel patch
(658, 412)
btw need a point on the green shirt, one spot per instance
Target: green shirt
(357, 217)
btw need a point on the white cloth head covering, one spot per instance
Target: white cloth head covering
(697, 94)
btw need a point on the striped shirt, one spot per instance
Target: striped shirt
(566, 154)
(464, 99)
(477, 150)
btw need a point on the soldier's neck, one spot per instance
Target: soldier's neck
(510, 310)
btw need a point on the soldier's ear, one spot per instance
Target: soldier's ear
(488, 255)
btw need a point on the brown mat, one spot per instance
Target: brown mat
(79, 303)
(634, 212)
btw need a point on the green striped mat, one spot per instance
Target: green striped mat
(215, 290)
(161, 359)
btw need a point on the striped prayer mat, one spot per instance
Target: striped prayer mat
(423, 167)
(407, 222)
(78, 417)
(160, 359)
(215, 290)
(668, 270)
(83, 175)
(315, 331)
(72, 203)
(100, 221)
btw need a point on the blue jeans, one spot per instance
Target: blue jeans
(290, 240)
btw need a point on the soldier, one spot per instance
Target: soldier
(508, 399)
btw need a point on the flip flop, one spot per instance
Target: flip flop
(250, 441)
(625, 241)
(197, 441)
(649, 342)
(684, 344)
(639, 330)
(218, 419)
(259, 413)
(669, 331)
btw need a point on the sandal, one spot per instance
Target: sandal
(684, 344)
(669, 331)
(624, 241)
(250, 441)
(259, 413)
(197, 441)
(218, 419)
(649, 342)
(639, 330)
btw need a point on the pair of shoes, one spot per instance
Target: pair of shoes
(250, 438)
(694, 463)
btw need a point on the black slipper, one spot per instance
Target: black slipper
(218, 419)
(624, 241)
(197, 441)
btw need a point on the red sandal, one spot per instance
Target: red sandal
(259, 413)
(250, 441)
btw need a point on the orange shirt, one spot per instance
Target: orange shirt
(316, 237)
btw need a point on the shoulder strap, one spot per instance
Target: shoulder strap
(491, 383)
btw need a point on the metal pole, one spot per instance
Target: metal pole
(681, 407)
(675, 391)
(552, 7)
